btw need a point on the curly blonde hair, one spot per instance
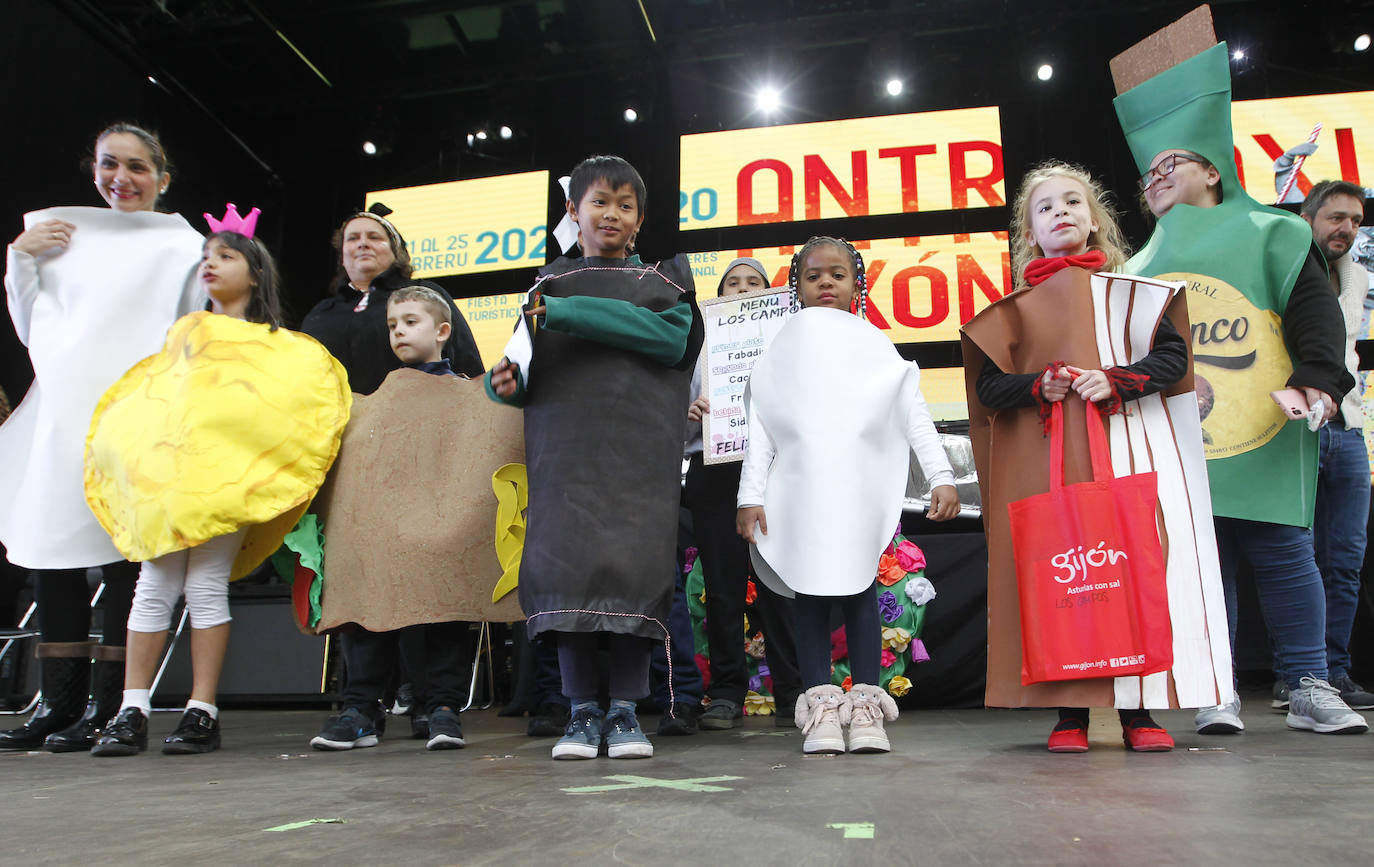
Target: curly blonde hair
(1107, 238)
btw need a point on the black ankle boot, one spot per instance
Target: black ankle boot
(107, 690)
(66, 677)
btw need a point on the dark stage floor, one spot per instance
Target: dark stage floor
(961, 787)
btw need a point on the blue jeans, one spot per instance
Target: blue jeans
(1290, 591)
(686, 679)
(1339, 533)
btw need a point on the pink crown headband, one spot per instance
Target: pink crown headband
(232, 222)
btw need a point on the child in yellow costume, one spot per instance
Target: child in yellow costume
(198, 462)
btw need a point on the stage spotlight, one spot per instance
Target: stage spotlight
(370, 148)
(481, 135)
(768, 100)
(1045, 72)
(1362, 42)
(506, 133)
(1238, 54)
(894, 87)
(152, 80)
(471, 139)
(631, 115)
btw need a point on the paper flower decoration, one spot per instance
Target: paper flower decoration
(689, 559)
(839, 645)
(896, 638)
(889, 608)
(759, 705)
(918, 651)
(751, 592)
(919, 590)
(754, 646)
(909, 557)
(899, 686)
(847, 684)
(889, 570)
(887, 658)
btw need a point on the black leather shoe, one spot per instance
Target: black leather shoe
(126, 734)
(79, 736)
(198, 732)
(46, 720)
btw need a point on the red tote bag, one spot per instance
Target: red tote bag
(1090, 570)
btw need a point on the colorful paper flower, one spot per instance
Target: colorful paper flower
(919, 590)
(750, 592)
(888, 658)
(909, 557)
(689, 559)
(899, 686)
(896, 638)
(889, 570)
(703, 666)
(839, 645)
(754, 646)
(847, 684)
(889, 608)
(755, 683)
(919, 652)
(759, 705)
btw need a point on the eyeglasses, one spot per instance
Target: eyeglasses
(1164, 168)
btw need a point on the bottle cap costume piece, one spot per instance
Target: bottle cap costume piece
(423, 552)
(231, 425)
(1240, 260)
(833, 395)
(85, 321)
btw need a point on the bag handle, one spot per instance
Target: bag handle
(1097, 445)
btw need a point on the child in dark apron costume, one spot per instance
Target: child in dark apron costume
(605, 392)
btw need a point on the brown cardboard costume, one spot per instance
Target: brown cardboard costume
(409, 511)
(1096, 321)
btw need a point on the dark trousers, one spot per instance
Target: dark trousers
(370, 657)
(710, 494)
(683, 684)
(64, 603)
(863, 633)
(628, 674)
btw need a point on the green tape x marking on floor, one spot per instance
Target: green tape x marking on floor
(631, 781)
(854, 830)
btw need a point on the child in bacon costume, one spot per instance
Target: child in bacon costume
(1117, 339)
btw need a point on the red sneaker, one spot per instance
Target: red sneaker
(1147, 739)
(1069, 740)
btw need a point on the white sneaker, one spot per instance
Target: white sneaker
(1316, 706)
(1224, 719)
(818, 715)
(868, 707)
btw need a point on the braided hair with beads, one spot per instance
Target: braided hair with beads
(859, 305)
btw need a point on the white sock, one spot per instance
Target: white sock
(139, 698)
(208, 708)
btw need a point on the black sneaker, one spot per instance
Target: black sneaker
(721, 714)
(198, 732)
(680, 719)
(1279, 702)
(549, 720)
(445, 732)
(1352, 693)
(350, 729)
(126, 735)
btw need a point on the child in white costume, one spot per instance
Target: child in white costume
(834, 412)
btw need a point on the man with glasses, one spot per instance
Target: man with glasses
(1263, 317)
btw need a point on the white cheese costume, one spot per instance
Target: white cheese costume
(834, 412)
(87, 314)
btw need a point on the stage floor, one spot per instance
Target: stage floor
(960, 787)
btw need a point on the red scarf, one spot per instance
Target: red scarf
(1040, 270)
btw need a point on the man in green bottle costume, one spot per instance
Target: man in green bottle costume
(1263, 318)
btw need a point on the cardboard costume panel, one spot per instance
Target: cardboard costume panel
(231, 425)
(1092, 322)
(408, 509)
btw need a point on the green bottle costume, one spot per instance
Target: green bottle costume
(1240, 260)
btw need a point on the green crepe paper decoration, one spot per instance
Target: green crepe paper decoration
(695, 588)
(305, 543)
(913, 620)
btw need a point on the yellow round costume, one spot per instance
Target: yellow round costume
(231, 425)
